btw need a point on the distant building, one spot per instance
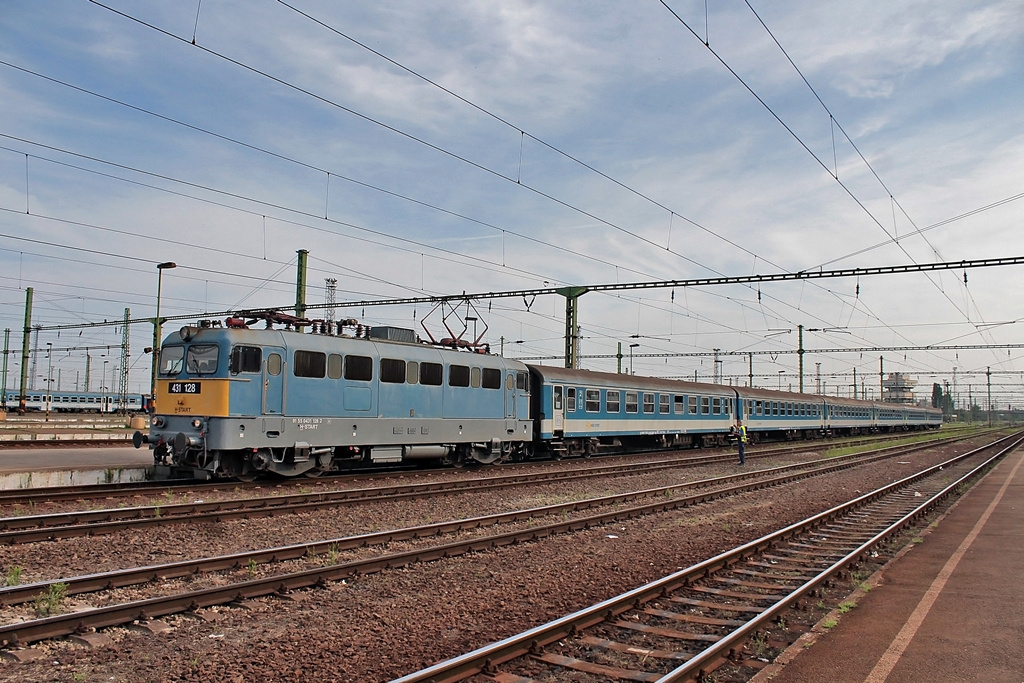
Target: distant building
(898, 388)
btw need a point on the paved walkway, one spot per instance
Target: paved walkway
(951, 609)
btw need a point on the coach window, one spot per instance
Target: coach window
(593, 397)
(693, 405)
(245, 359)
(664, 403)
(359, 368)
(334, 366)
(716, 406)
(631, 402)
(679, 406)
(474, 378)
(612, 401)
(648, 402)
(310, 364)
(570, 399)
(430, 374)
(491, 378)
(705, 405)
(392, 371)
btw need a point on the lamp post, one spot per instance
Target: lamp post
(158, 323)
(49, 378)
(780, 379)
(631, 347)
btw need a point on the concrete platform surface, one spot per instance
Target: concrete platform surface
(951, 609)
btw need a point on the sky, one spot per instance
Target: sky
(421, 148)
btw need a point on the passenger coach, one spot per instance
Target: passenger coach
(580, 412)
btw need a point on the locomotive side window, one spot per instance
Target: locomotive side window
(491, 378)
(334, 366)
(570, 399)
(171, 359)
(392, 371)
(431, 374)
(359, 368)
(593, 397)
(202, 359)
(245, 359)
(648, 402)
(612, 401)
(274, 364)
(523, 381)
(412, 372)
(458, 375)
(310, 364)
(631, 402)
(474, 378)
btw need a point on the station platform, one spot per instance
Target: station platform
(22, 468)
(950, 609)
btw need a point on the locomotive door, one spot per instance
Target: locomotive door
(273, 381)
(510, 396)
(557, 409)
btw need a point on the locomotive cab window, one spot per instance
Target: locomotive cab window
(359, 368)
(310, 364)
(523, 381)
(245, 359)
(202, 359)
(172, 358)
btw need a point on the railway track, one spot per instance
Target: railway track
(22, 499)
(47, 527)
(30, 631)
(686, 625)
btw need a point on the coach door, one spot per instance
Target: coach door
(558, 410)
(273, 381)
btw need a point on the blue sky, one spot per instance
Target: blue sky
(444, 152)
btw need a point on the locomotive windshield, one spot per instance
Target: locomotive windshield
(202, 359)
(171, 359)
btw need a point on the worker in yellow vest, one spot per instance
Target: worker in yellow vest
(740, 432)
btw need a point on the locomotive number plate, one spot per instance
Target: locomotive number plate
(185, 388)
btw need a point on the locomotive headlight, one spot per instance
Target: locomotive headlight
(197, 423)
(157, 421)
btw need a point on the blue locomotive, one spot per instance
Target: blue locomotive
(232, 401)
